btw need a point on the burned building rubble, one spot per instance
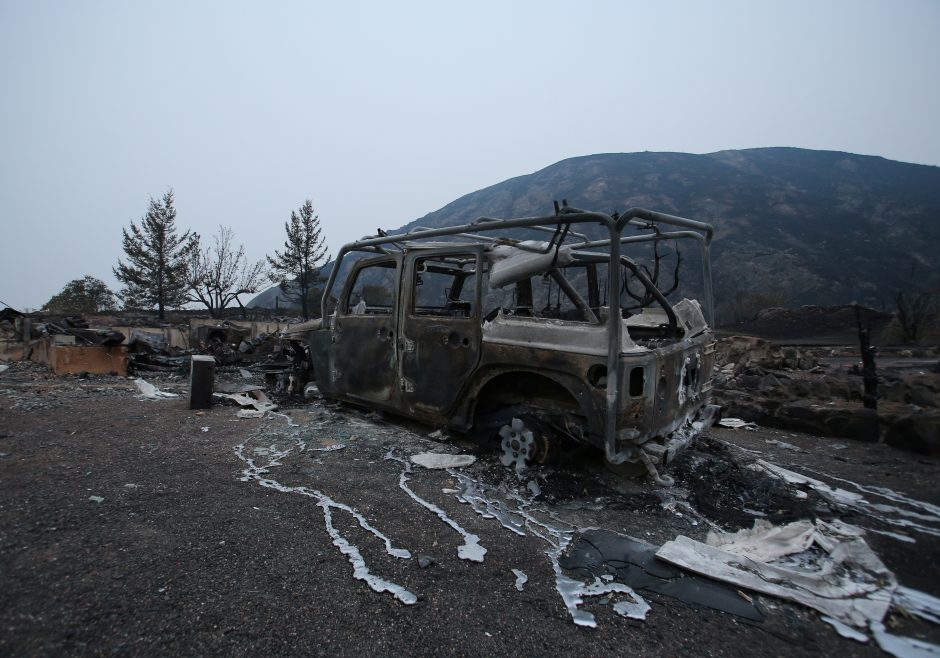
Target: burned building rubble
(77, 344)
(533, 341)
(820, 391)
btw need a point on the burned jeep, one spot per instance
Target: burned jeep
(530, 341)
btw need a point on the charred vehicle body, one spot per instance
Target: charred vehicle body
(516, 338)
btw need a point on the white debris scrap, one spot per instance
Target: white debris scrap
(534, 488)
(783, 444)
(737, 423)
(765, 542)
(96, 499)
(437, 460)
(848, 582)
(150, 392)
(521, 579)
(249, 413)
(255, 398)
(329, 447)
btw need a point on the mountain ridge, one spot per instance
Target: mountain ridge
(792, 226)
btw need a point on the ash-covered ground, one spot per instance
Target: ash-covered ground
(142, 527)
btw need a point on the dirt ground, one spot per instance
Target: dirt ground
(141, 527)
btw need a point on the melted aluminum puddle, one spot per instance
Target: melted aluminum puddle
(519, 519)
(470, 549)
(254, 472)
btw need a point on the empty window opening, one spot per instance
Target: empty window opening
(637, 381)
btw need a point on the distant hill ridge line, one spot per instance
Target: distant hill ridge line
(795, 226)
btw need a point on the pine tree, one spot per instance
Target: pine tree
(158, 259)
(296, 269)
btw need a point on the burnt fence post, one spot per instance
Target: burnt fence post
(869, 373)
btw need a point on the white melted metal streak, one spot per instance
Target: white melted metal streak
(925, 520)
(290, 421)
(929, 513)
(471, 549)
(521, 521)
(256, 473)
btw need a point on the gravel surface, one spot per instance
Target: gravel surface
(140, 527)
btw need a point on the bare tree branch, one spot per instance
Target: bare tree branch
(220, 273)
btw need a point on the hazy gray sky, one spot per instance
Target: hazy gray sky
(381, 112)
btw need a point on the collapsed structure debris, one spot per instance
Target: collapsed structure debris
(76, 331)
(67, 345)
(73, 345)
(821, 391)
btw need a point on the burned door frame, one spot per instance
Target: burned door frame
(438, 354)
(365, 364)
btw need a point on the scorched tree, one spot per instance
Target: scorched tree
(296, 270)
(158, 259)
(219, 274)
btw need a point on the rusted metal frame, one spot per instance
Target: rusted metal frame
(484, 224)
(546, 229)
(614, 338)
(629, 217)
(469, 236)
(633, 214)
(593, 291)
(704, 244)
(383, 257)
(656, 292)
(586, 257)
(647, 237)
(569, 290)
(457, 249)
(513, 241)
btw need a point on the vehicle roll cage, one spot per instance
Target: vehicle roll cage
(559, 225)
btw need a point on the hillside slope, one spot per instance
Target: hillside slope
(793, 226)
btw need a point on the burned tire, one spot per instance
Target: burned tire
(525, 442)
